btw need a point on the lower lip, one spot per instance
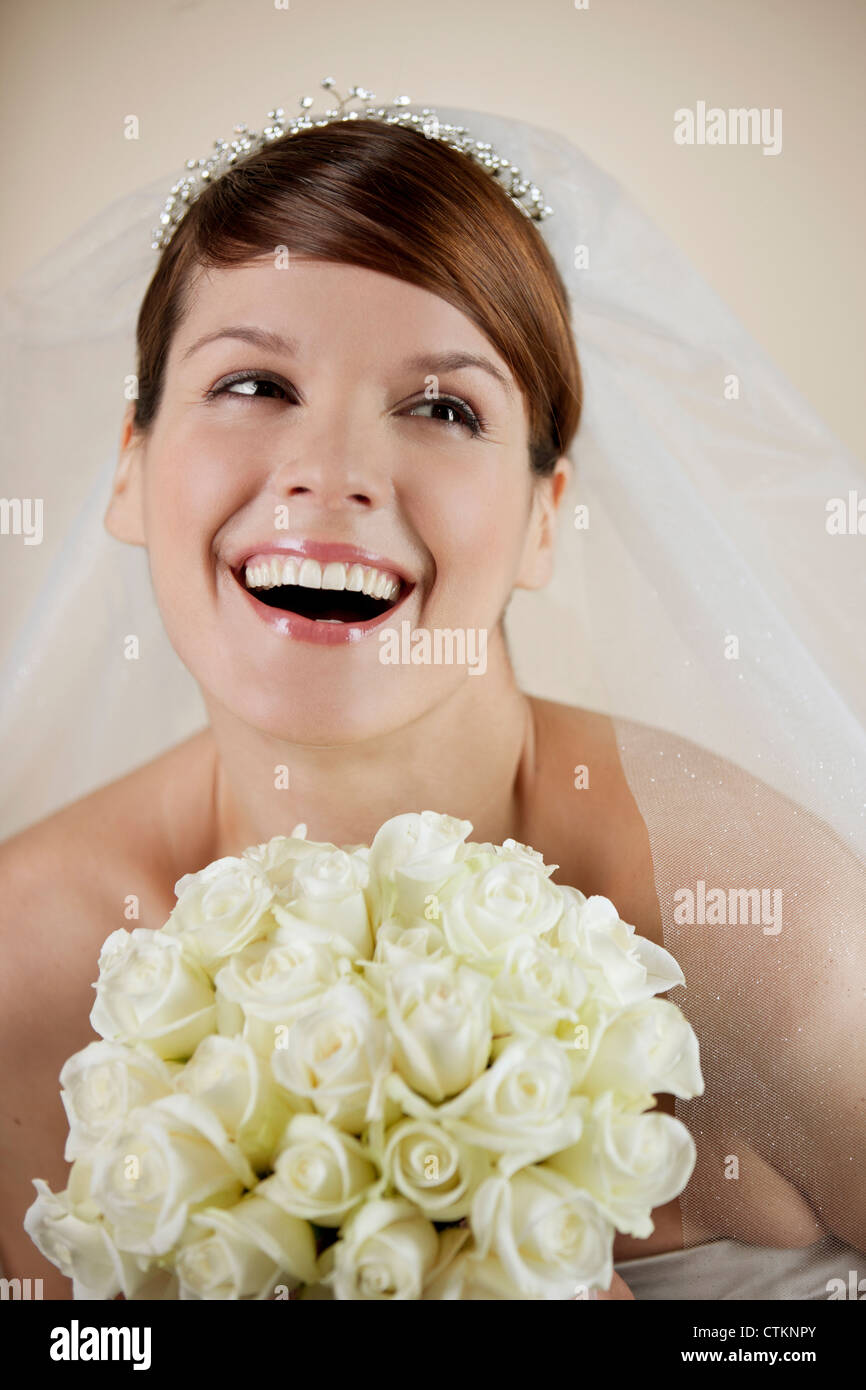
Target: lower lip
(302, 629)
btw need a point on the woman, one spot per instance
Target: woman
(357, 391)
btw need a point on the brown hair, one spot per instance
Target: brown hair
(386, 198)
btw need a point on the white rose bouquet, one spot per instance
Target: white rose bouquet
(418, 1070)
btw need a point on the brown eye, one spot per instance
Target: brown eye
(244, 384)
(458, 409)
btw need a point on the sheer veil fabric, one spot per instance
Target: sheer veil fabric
(703, 597)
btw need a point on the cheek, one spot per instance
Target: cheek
(190, 489)
(479, 533)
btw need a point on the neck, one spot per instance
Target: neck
(469, 756)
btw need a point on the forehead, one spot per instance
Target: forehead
(322, 305)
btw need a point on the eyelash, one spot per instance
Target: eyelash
(475, 423)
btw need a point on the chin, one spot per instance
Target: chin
(345, 708)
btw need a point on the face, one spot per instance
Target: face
(311, 485)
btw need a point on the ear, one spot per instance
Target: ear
(124, 516)
(536, 564)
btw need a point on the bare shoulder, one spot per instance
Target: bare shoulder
(569, 722)
(710, 802)
(100, 863)
(68, 881)
(708, 826)
(576, 750)
(750, 884)
(118, 835)
(584, 815)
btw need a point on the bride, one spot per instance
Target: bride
(358, 393)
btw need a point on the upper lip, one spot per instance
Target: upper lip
(324, 551)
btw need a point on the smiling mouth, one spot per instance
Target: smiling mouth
(331, 593)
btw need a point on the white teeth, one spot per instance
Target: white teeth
(310, 574)
(334, 577)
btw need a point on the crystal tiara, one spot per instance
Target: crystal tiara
(227, 153)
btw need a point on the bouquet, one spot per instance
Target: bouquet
(415, 1070)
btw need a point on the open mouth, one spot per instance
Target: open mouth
(331, 593)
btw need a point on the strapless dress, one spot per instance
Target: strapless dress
(730, 1269)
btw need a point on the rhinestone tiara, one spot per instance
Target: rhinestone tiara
(227, 153)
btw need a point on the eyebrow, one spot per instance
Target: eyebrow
(453, 361)
(422, 362)
(259, 337)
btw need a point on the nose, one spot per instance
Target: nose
(337, 467)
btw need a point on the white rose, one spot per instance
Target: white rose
(165, 1161)
(410, 858)
(438, 1172)
(262, 990)
(646, 1049)
(277, 858)
(228, 1076)
(336, 1056)
(623, 968)
(101, 1084)
(149, 991)
(537, 989)
(425, 840)
(495, 899)
(520, 1108)
(328, 891)
(469, 1277)
(244, 1251)
(549, 1236)
(451, 1241)
(221, 909)
(320, 1173)
(397, 944)
(439, 1016)
(386, 1250)
(68, 1230)
(581, 1038)
(629, 1163)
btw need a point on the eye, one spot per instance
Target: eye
(248, 381)
(246, 384)
(464, 413)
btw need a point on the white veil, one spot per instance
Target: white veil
(701, 594)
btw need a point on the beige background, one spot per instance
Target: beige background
(780, 238)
